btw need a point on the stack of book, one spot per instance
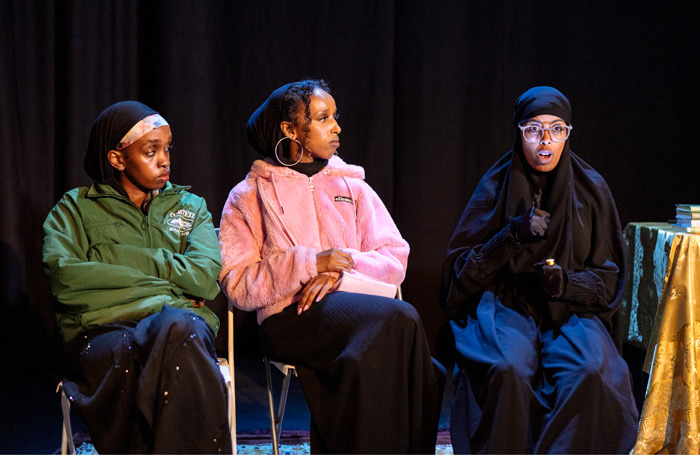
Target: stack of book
(687, 218)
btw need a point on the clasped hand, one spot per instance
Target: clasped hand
(530, 227)
(553, 279)
(331, 260)
(196, 302)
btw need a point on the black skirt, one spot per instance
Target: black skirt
(365, 368)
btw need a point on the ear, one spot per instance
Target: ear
(116, 159)
(288, 130)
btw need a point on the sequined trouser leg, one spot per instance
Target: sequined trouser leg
(151, 386)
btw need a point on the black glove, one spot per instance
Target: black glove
(531, 226)
(553, 279)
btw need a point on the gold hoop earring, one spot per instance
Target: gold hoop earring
(301, 155)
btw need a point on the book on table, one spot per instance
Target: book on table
(687, 222)
(687, 208)
(688, 216)
(686, 229)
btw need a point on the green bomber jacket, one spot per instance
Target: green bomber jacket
(107, 261)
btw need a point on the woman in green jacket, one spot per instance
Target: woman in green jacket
(131, 261)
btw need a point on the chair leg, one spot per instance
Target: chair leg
(67, 444)
(231, 416)
(232, 391)
(282, 404)
(276, 420)
(271, 406)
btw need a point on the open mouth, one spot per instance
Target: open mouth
(544, 156)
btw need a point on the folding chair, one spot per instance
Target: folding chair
(288, 371)
(226, 368)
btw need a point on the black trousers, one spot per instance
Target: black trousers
(150, 387)
(365, 368)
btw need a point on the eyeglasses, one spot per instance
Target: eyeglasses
(534, 133)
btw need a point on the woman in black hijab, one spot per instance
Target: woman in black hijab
(532, 283)
(131, 260)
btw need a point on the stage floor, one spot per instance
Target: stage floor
(30, 415)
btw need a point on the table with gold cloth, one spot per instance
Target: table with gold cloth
(661, 312)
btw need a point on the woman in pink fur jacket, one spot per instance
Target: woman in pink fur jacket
(301, 218)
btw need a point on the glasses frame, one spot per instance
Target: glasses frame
(543, 129)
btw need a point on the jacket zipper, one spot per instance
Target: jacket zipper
(146, 228)
(311, 184)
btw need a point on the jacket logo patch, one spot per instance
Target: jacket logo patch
(181, 222)
(343, 199)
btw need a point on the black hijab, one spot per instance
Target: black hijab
(264, 132)
(109, 128)
(584, 230)
(557, 195)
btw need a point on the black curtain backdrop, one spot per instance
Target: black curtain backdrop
(425, 91)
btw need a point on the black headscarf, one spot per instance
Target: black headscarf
(524, 182)
(109, 128)
(264, 132)
(584, 230)
(263, 129)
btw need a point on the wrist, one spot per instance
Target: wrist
(561, 289)
(512, 235)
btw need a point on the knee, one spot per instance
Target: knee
(590, 370)
(589, 373)
(403, 313)
(182, 324)
(511, 371)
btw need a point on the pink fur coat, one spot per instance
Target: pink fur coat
(276, 220)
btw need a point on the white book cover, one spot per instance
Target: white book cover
(362, 284)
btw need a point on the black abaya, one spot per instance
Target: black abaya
(538, 373)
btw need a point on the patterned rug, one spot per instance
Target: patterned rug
(292, 443)
(260, 449)
(254, 449)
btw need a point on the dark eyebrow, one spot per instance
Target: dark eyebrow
(158, 141)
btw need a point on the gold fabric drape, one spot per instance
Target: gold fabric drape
(670, 421)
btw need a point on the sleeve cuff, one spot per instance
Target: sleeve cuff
(497, 252)
(584, 288)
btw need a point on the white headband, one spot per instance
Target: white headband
(146, 125)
